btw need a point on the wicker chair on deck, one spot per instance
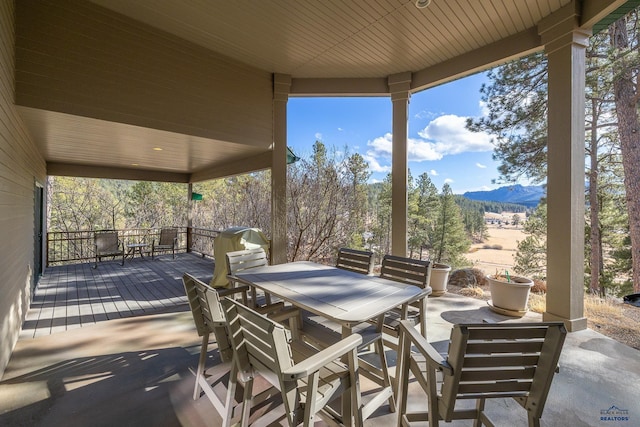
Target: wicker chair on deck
(107, 244)
(168, 242)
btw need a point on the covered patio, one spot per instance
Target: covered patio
(167, 91)
(129, 367)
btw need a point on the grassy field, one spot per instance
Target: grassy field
(608, 316)
(497, 252)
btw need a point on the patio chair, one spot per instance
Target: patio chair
(242, 260)
(308, 379)
(484, 361)
(107, 244)
(209, 317)
(168, 241)
(413, 272)
(355, 260)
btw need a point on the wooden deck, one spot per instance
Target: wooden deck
(77, 295)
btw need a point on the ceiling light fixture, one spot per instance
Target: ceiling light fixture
(421, 4)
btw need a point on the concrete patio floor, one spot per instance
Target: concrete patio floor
(137, 371)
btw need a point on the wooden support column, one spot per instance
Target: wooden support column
(281, 88)
(399, 85)
(191, 205)
(565, 46)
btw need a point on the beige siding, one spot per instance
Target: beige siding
(20, 166)
(78, 58)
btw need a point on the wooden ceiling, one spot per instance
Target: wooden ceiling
(338, 38)
(321, 44)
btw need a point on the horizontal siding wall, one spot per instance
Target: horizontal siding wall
(75, 57)
(20, 167)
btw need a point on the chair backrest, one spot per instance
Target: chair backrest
(248, 258)
(502, 360)
(406, 270)
(107, 242)
(355, 260)
(168, 236)
(261, 345)
(207, 312)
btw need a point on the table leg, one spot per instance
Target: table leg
(347, 413)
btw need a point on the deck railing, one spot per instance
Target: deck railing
(64, 247)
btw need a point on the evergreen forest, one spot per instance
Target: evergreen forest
(330, 205)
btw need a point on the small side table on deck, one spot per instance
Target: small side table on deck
(132, 247)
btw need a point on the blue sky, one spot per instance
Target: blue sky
(439, 144)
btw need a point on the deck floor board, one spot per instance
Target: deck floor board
(76, 295)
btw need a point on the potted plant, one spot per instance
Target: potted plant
(509, 294)
(439, 278)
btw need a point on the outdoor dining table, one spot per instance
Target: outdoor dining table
(342, 296)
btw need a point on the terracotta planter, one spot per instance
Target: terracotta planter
(510, 296)
(439, 279)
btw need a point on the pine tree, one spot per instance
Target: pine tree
(517, 101)
(448, 238)
(531, 257)
(423, 210)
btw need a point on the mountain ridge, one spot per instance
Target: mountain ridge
(522, 195)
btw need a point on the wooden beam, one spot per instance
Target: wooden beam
(246, 165)
(90, 171)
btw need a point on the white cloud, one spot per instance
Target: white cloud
(424, 115)
(381, 145)
(481, 166)
(418, 150)
(374, 165)
(318, 136)
(484, 109)
(448, 180)
(340, 129)
(433, 172)
(448, 135)
(445, 135)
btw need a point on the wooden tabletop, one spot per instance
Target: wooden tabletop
(343, 296)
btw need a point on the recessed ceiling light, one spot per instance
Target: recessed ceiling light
(157, 149)
(421, 4)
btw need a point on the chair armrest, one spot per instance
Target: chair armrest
(320, 359)
(223, 292)
(425, 348)
(232, 278)
(279, 314)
